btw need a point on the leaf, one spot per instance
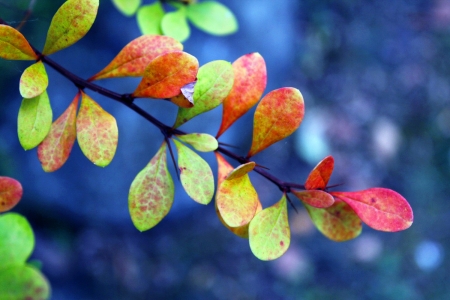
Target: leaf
(316, 198)
(241, 170)
(320, 175)
(214, 82)
(151, 193)
(127, 7)
(212, 17)
(277, 116)
(200, 141)
(269, 232)
(17, 239)
(10, 193)
(237, 200)
(14, 46)
(69, 24)
(97, 132)
(338, 222)
(195, 174)
(55, 149)
(34, 80)
(34, 120)
(250, 79)
(223, 168)
(149, 18)
(23, 282)
(167, 74)
(136, 55)
(174, 24)
(380, 208)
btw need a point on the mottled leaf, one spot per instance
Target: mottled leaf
(214, 82)
(69, 24)
(338, 222)
(34, 80)
(55, 149)
(136, 55)
(167, 74)
(200, 141)
(151, 193)
(149, 18)
(241, 170)
(237, 200)
(17, 239)
(320, 175)
(34, 120)
(97, 132)
(212, 17)
(14, 46)
(314, 198)
(380, 208)
(127, 7)
(277, 116)
(23, 282)
(174, 24)
(10, 193)
(269, 232)
(195, 174)
(250, 79)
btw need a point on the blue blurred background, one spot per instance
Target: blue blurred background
(374, 76)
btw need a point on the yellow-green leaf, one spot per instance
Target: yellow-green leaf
(55, 149)
(212, 17)
(34, 120)
(200, 141)
(241, 170)
(34, 80)
(149, 18)
(69, 24)
(174, 24)
(195, 174)
(97, 132)
(13, 45)
(127, 7)
(269, 232)
(151, 193)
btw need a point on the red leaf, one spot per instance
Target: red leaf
(380, 208)
(10, 193)
(314, 198)
(319, 176)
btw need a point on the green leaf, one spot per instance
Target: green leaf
(13, 45)
(149, 18)
(97, 132)
(269, 232)
(34, 80)
(127, 7)
(212, 17)
(151, 193)
(200, 141)
(55, 149)
(339, 222)
(17, 239)
(214, 82)
(195, 174)
(23, 282)
(174, 24)
(10, 193)
(34, 120)
(69, 24)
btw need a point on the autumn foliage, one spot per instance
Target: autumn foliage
(170, 74)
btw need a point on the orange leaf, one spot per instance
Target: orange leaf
(380, 208)
(136, 55)
(167, 74)
(10, 193)
(250, 79)
(314, 198)
(277, 116)
(320, 175)
(54, 151)
(14, 46)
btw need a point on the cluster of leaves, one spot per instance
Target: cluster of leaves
(209, 16)
(172, 75)
(18, 279)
